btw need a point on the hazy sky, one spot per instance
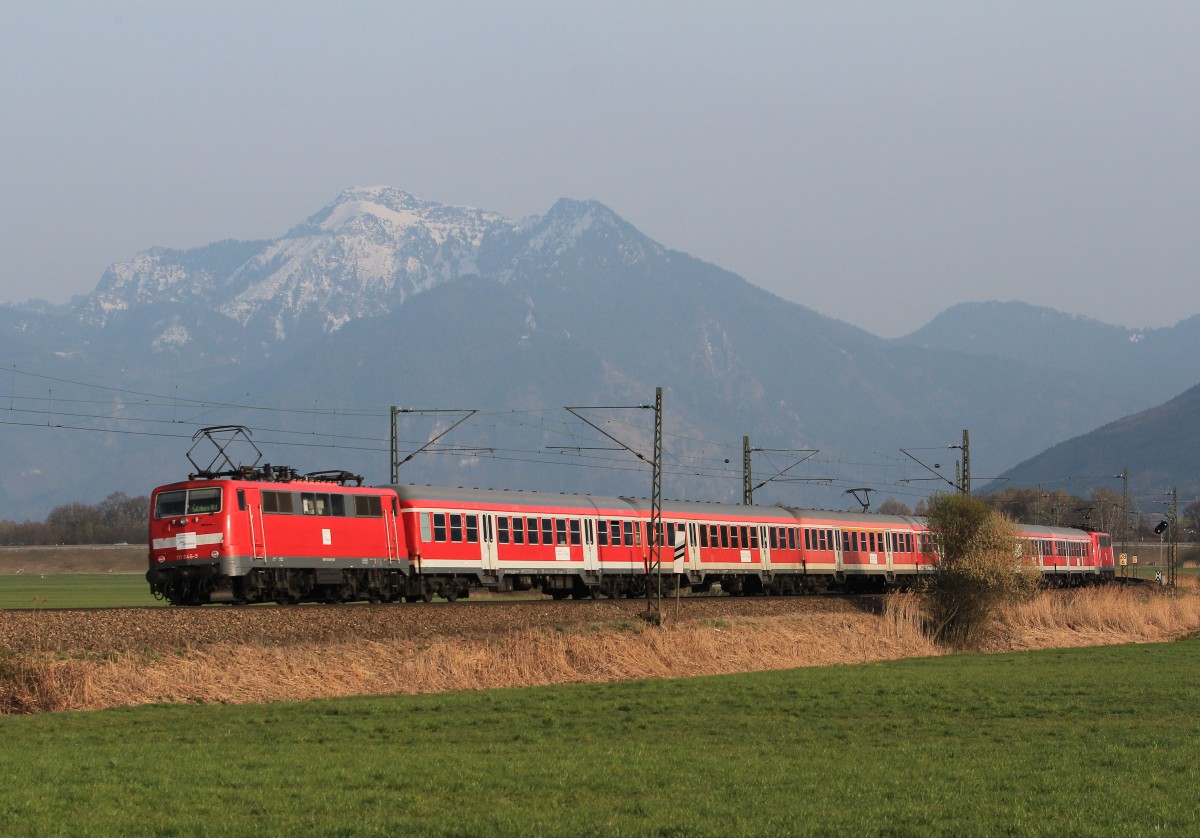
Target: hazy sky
(877, 162)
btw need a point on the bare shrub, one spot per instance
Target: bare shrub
(982, 566)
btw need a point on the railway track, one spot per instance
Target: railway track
(158, 630)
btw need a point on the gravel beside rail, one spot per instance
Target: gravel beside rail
(164, 629)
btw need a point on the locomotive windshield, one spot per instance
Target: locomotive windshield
(188, 502)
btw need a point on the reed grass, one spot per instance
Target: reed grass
(245, 673)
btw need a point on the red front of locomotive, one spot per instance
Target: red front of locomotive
(191, 532)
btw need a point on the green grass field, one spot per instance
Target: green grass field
(74, 590)
(1085, 742)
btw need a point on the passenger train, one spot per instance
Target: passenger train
(271, 535)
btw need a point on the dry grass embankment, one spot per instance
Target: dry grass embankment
(608, 645)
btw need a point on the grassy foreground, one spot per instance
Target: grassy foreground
(74, 590)
(1082, 741)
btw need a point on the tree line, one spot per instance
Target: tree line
(1101, 511)
(118, 518)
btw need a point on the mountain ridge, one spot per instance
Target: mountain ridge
(383, 298)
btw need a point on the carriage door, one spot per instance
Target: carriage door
(258, 543)
(889, 547)
(764, 547)
(487, 542)
(693, 549)
(591, 557)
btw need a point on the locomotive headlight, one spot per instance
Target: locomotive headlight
(215, 553)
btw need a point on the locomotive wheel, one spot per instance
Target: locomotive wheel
(427, 596)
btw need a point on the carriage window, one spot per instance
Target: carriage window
(753, 537)
(560, 526)
(455, 527)
(627, 527)
(575, 531)
(424, 526)
(547, 531)
(533, 530)
(439, 526)
(704, 535)
(518, 530)
(615, 528)
(472, 529)
(337, 505)
(602, 533)
(170, 504)
(502, 530)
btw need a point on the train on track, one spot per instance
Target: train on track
(268, 534)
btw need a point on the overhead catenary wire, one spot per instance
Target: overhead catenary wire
(155, 414)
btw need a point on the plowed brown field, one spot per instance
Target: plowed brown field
(166, 629)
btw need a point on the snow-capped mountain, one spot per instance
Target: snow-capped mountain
(364, 254)
(381, 299)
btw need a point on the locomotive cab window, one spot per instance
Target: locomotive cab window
(180, 502)
(170, 504)
(204, 501)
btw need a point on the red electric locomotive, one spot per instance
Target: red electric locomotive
(275, 536)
